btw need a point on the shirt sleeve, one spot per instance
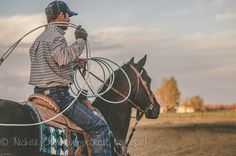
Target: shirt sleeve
(64, 54)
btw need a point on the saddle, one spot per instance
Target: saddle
(47, 108)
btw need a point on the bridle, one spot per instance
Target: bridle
(140, 111)
(144, 85)
(140, 83)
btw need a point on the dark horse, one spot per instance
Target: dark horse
(118, 115)
(14, 141)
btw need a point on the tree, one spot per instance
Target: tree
(185, 102)
(168, 94)
(197, 103)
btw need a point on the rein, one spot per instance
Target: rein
(140, 110)
(151, 102)
(116, 91)
(144, 84)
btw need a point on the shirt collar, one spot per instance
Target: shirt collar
(55, 28)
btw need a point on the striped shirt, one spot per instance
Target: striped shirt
(52, 59)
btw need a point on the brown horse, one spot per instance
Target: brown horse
(117, 115)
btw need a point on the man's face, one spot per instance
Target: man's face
(63, 17)
(66, 18)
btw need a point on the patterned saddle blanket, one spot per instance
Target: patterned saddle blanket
(59, 136)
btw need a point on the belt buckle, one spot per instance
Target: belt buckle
(46, 92)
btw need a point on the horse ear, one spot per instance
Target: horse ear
(142, 62)
(131, 60)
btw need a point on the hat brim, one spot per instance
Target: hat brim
(71, 13)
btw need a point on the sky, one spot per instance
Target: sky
(192, 40)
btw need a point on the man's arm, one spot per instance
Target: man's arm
(63, 54)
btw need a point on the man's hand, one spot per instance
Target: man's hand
(81, 33)
(81, 62)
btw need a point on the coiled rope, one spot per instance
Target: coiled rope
(102, 62)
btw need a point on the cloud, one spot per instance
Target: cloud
(203, 42)
(228, 69)
(14, 27)
(229, 16)
(123, 35)
(117, 38)
(193, 57)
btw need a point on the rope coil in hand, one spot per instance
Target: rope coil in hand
(87, 78)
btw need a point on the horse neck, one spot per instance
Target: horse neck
(116, 115)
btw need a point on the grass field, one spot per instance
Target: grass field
(197, 134)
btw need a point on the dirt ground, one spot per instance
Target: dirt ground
(198, 139)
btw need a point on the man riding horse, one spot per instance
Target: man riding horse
(51, 73)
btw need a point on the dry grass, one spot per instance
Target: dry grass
(185, 137)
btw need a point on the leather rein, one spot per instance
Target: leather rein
(143, 83)
(142, 111)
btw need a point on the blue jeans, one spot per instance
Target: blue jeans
(83, 117)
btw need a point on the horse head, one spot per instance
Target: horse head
(140, 96)
(143, 97)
